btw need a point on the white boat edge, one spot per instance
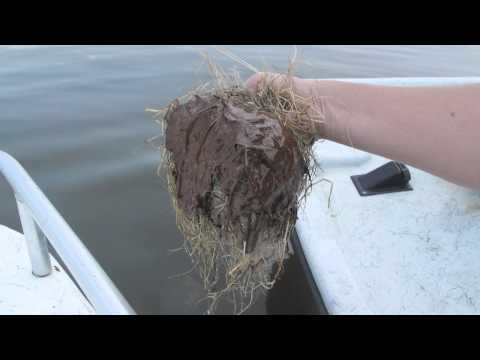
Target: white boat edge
(319, 233)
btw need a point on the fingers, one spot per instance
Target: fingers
(277, 81)
(307, 90)
(280, 82)
(253, 81)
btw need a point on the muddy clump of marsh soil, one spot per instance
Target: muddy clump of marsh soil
(237, 166)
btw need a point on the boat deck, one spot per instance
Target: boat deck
(21, 293)
(414, 252)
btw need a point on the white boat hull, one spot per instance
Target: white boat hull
(412, 252)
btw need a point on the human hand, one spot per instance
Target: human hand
(311, 94)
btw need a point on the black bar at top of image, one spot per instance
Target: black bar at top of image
(282, 23)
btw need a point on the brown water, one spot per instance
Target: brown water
(73, 116)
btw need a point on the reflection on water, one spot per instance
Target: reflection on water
(74, 116)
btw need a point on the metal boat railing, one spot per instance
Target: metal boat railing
(43, 224)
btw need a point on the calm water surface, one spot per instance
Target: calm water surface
(74, 117)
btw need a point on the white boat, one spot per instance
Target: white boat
(32, 282)
(412, 252)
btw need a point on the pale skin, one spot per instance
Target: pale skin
(435, 129)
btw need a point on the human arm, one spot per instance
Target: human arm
(436, 129)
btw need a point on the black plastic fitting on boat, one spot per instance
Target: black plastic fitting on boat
(389, 178)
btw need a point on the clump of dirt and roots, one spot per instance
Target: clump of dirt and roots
(238, 164)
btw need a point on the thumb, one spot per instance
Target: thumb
(254, 81)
